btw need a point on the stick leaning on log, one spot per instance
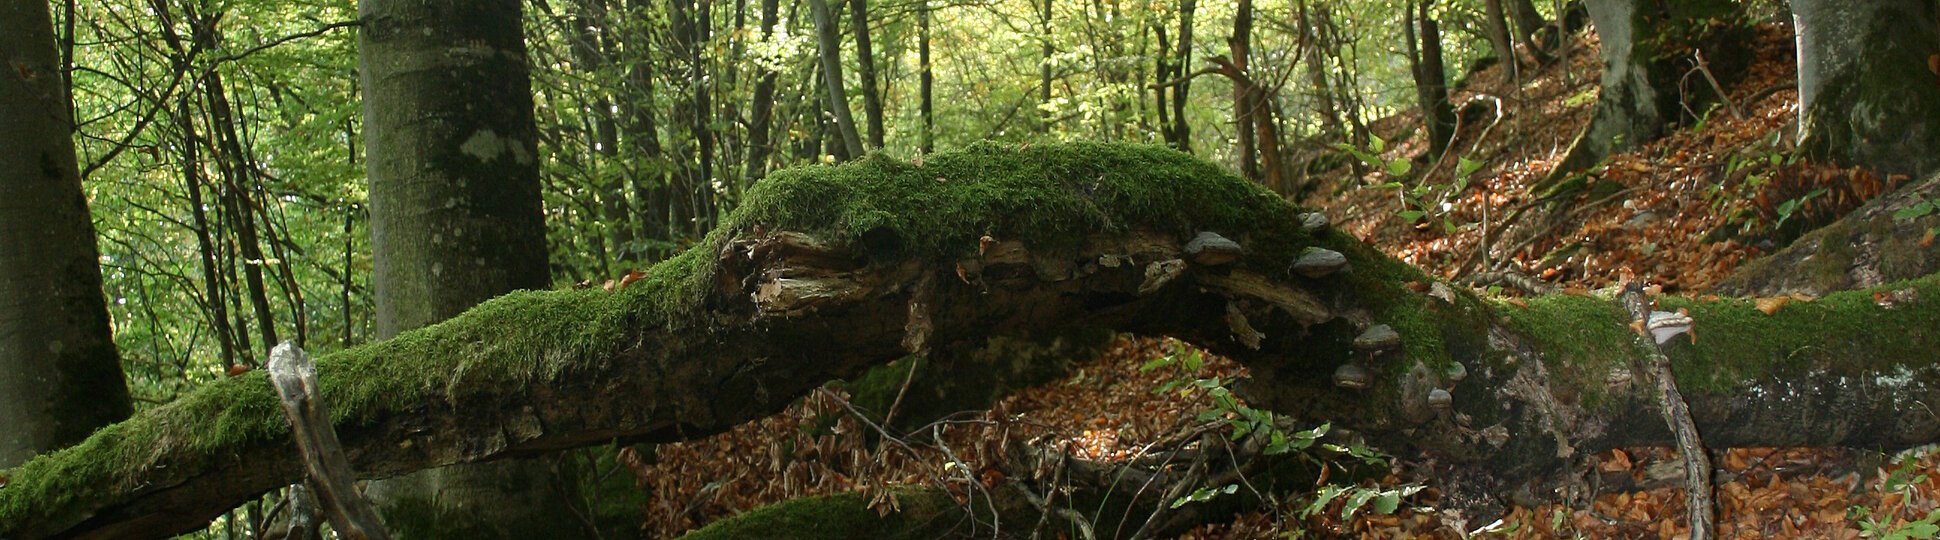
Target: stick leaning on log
(295, 377)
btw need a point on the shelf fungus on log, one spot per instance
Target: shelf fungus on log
(1210, 249)
(1664, 325)
(1377, 338)
(1314, 222)
(1352, 376)
(1319, 262)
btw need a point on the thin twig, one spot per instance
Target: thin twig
(1677, 414)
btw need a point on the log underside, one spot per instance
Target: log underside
(770, 307)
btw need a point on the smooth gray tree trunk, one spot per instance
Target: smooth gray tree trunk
(829, 47)
(455, 220)
(1869, 83)
(60, 377)
(1647, 46)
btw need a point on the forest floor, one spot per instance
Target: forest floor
(1683, 210)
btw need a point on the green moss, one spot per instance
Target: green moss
(1049, 195)
(1052, 195)
(1842, 334)
(924, 515)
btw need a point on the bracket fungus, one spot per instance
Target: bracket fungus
(1352, 376)
(1211, 249)
(1664, 325)
(1319, 262)
(1377, 338)
(1440, 400)
(1313, 222)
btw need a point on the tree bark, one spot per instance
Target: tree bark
(1495, 23)
(760, 140)
(1240, 45)
(1866, 248)
(926, 80)
(60, 376)
(1864, 98)
(455, 220)
(1646, 46)
(829, 47)
(1044, 67)
(1181, 130)
(808, 283)
(866, 70)
(1424, 46)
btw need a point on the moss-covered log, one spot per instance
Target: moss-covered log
(1865, 248)
(811, 280)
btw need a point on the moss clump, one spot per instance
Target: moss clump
(1049, 195)
(1843, 334)
(924, 515)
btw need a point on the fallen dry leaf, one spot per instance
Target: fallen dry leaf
(1771, 305)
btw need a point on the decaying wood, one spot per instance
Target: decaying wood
(782, 312)
(295, 377)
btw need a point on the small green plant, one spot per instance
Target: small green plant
(1905, 476)
(1917, 210)
(1422, 200)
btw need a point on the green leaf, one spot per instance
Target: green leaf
(1376, 143)
(1410, 216)
(1387, 503)
(1354, 503)
(1400, 167)
(1466, 166)
(1916, 211)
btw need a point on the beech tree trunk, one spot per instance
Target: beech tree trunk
(829, 47)
(760, 141)
(816, 278)
(1182, 64)
(455, 220)
(1647, 46)
(1865, 98)
(60, 376)
(926, 79)
(866, 70)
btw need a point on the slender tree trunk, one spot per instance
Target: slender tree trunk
(214, 294)
(652, 185)
(60, 376)
(234, 162)
(1044, 67)
(1529, 25)
(1317, 57)
(1496, 25)
(591, 25)
(1241, 44)
(455, 220)
(1431, 80)
(927, 78)
(1161, 75)
(866, 70)
(760, 142)
(829, 47)
(1181, 65)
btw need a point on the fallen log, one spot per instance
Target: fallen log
(811, 278)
